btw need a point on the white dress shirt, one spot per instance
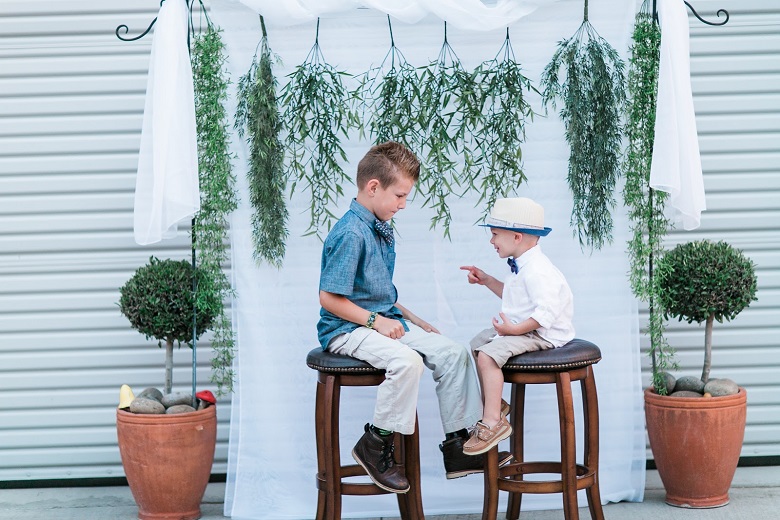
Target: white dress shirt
(540, 291)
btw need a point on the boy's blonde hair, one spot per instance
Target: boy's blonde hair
(384, 162)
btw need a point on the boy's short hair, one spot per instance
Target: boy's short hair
(384, 162)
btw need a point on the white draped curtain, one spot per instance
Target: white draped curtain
(272, 458)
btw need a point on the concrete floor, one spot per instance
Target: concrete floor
(755, 495)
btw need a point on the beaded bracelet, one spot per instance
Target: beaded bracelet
(371, 319)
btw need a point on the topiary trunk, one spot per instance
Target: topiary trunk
(705, 373)
(168, 365)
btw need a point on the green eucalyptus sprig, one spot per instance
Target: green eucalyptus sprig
(257, 117)
(445, 117)
(500, 131)
(645, 205)
(390, 99)
(218, 196)
(592, 95)
(318, 112)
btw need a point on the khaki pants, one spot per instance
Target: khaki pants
(501, 348)
(403, 360)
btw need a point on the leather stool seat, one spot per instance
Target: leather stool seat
(560, 366)
(335, 371)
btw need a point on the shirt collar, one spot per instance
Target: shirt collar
(363, 213)
(528, 255)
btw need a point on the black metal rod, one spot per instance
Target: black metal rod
(718, 13)
(127, 30)
(705, 21)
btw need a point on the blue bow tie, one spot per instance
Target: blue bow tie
(512, 265)
(384, 230)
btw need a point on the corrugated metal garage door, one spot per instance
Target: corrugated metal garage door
(71, 104)
(736, 86)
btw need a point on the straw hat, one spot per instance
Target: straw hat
(518, 214)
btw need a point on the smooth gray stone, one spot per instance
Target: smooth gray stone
(175, 398)
(669, 381)
(721, 387)
(686, 393)
(180, 408)
(146, 406)
(151, 393)
(689, 383)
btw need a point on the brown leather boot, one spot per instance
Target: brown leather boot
(457, 464)
(375, 453)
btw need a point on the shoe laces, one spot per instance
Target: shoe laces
(387, 458)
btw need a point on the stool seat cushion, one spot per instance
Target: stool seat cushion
(575, 354)
(324, 361)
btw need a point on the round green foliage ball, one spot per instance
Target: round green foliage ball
(703, 278)
(158, 300)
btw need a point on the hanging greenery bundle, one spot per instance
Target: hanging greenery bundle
(500, 131)
(390, 96)
(449, 112)
(317, 112)
(645, 206)
(592, 95)
(257, 116)
(218, 196)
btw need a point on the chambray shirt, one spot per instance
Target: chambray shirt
(357, 263)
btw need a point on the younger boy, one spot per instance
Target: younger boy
(536, 310)
(361, 317)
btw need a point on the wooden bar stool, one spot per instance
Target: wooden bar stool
(561, 366)
(333, 372)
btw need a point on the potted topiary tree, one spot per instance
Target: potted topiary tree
(696, 431)
(167, 457)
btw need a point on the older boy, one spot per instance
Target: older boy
(361, 317)
(536, 310)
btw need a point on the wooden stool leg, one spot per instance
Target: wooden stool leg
(410, 503)
(319, 433)
(516, 444)
(331, 450)
(490, 500)
(590, 408)
(568, 446)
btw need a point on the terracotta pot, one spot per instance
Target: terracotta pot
(696, 442)
(167, 461)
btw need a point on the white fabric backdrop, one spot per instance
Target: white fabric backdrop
(676, 164)
(272, 459)
(166, 189)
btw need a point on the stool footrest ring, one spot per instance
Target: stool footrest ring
(508, 477)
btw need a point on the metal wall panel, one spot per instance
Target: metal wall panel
(736, 87)
(71, 106)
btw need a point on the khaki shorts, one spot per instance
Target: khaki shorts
(501, 348)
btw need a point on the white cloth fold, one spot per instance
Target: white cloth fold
(464, 14)
(166, 189)
(676, 164)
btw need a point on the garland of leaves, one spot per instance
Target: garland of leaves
(317, 111)
(645, 205)
(446, 93)
(257, 115)
(500, 125)
(218, 195)
(593, 95)
(393, 94)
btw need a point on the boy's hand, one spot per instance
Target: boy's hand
(424, 325)
(507, 328)
(475, 275)
(393, 329)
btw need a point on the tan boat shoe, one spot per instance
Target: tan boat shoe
(483, 438)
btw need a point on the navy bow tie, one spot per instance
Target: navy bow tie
(384, 230)
(512, 264)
